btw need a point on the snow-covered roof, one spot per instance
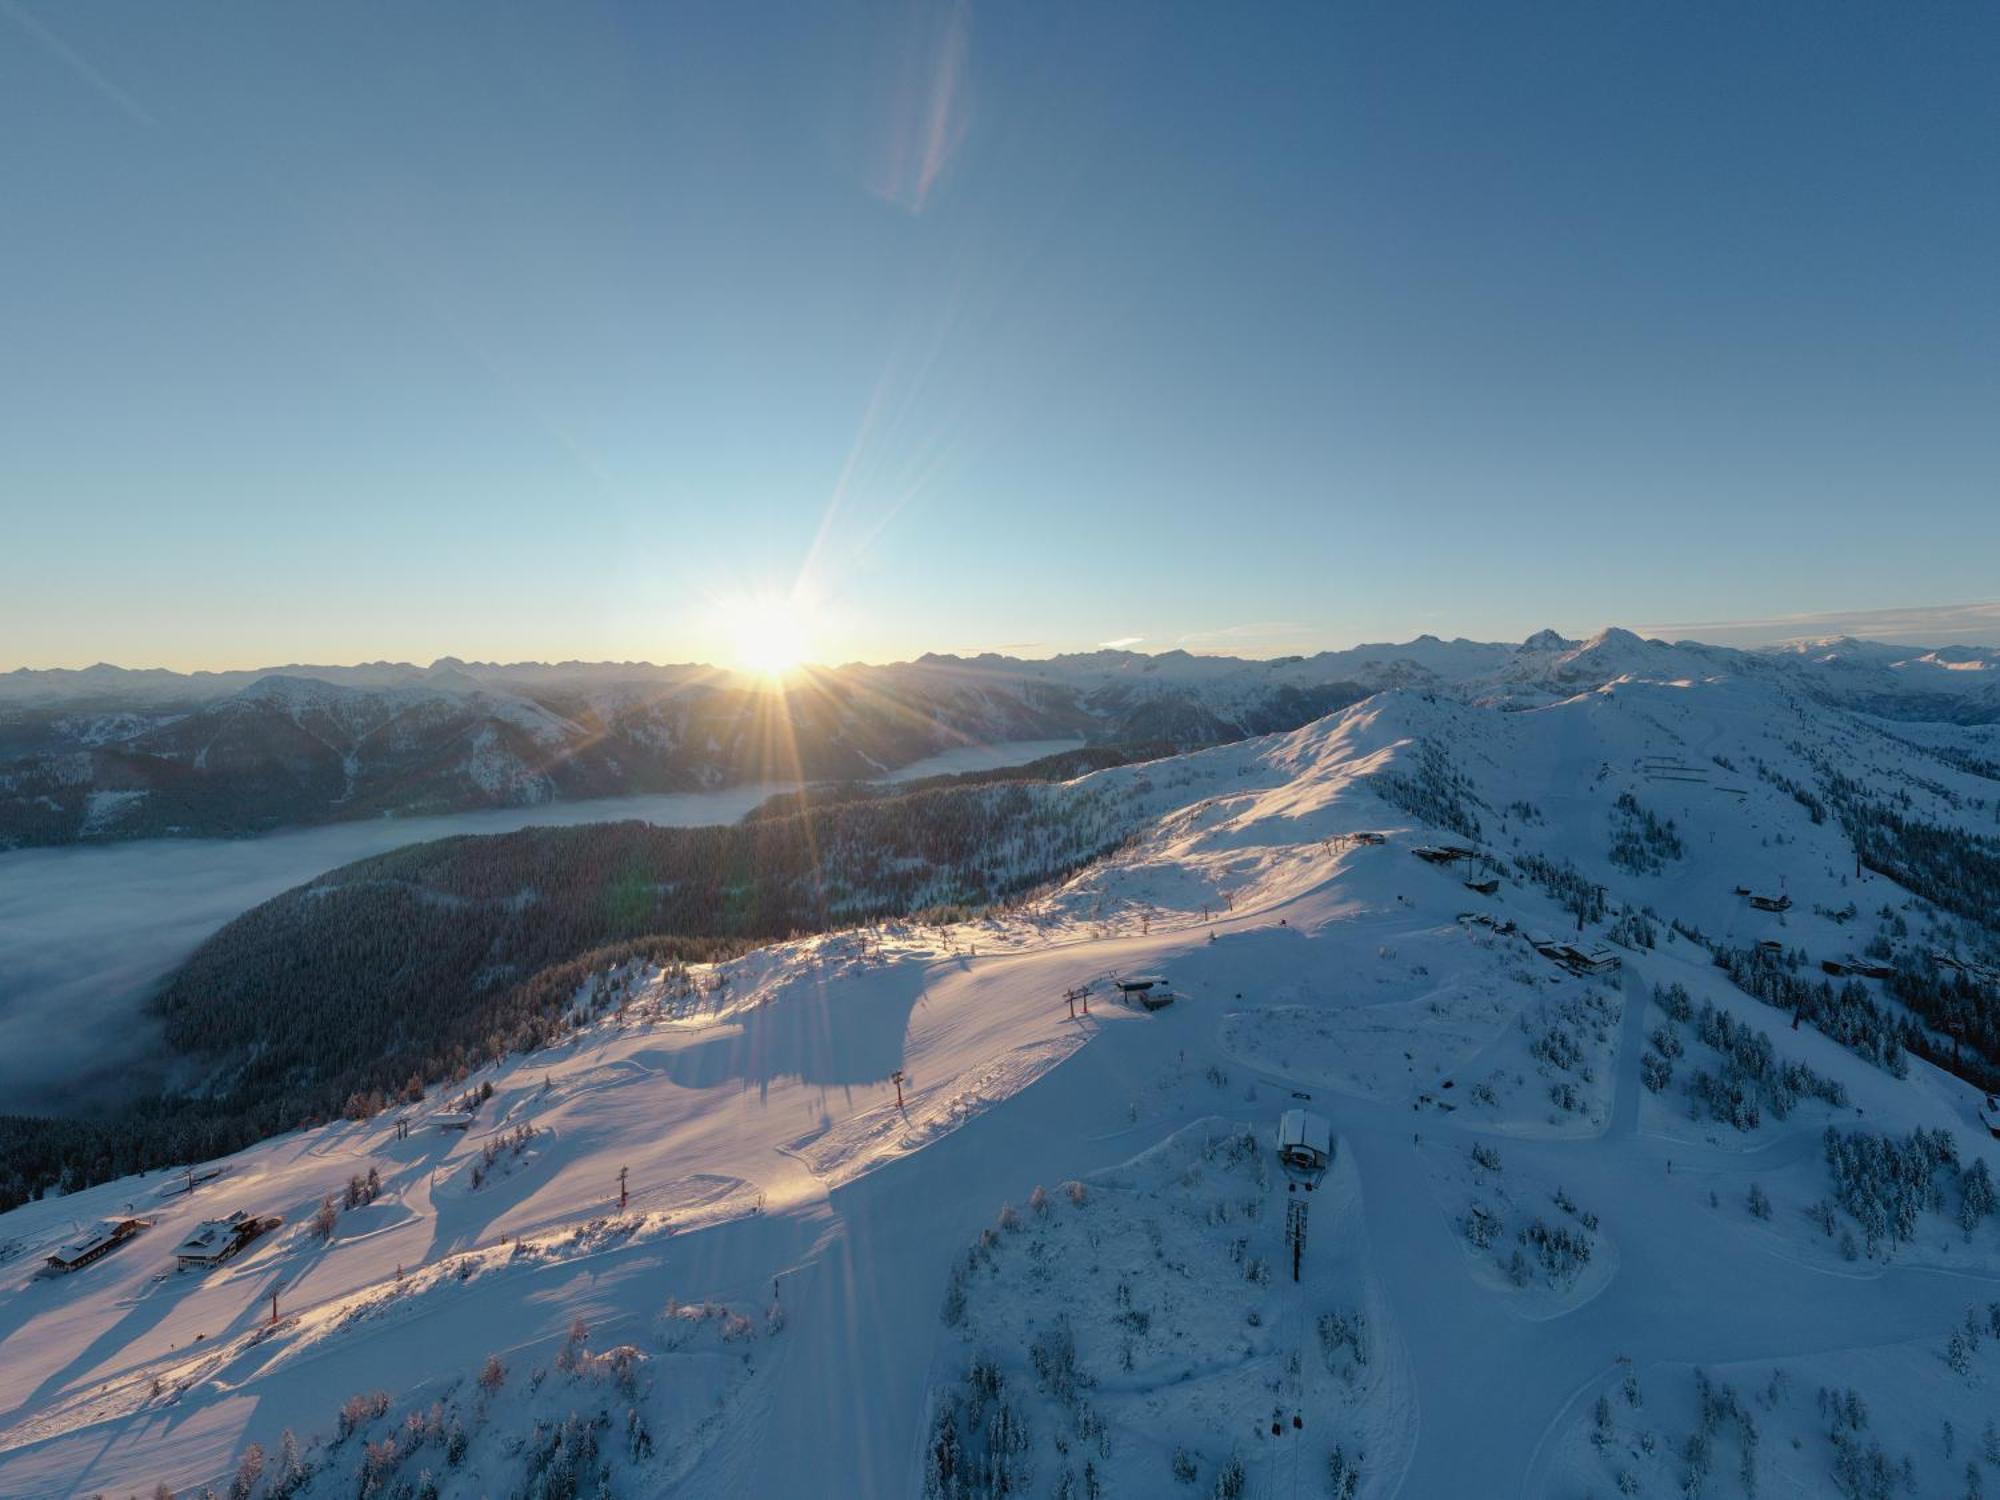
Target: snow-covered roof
(93, 1239)
(1301, 1127)
(212, 1235)
(85, 1243)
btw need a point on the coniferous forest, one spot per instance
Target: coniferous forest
(420, 964)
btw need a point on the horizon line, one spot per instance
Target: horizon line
(1907, 623)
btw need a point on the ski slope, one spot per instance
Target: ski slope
(803, 1273)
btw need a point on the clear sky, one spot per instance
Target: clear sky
(508, 331)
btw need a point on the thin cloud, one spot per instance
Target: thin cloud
(1928, 625)
(1255, 630)
(79, 65)
(1123, 643)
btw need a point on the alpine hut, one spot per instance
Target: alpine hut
(1305, 1140)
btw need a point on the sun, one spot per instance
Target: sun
(770, 636)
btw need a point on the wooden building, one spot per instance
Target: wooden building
(1596, 959)
(217, 1240)
(95, 1244)
(1867, 968)
(1305, 1140)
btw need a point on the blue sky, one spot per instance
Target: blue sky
(512, 331)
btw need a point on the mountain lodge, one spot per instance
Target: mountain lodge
(1444, 854)
(1305, 1140)
(95, 1244)
(216, 1240)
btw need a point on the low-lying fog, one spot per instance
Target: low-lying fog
(88, 932)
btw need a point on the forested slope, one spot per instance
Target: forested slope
(418, 964)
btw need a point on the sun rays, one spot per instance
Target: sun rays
(771, 635)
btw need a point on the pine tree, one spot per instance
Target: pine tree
(1958, 1352)
(286, 1478)
(248, 1471)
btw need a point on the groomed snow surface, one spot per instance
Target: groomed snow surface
(1066, 1259)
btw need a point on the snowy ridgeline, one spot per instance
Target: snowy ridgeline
(309, 744)
(1642, 1088)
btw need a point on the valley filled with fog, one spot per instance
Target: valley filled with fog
(91, 930)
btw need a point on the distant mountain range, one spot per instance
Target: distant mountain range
(111, 753)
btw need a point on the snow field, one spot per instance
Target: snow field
(757, 1123)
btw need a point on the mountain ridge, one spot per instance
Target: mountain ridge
(112, 753)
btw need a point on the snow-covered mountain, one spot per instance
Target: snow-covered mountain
(105, 753)
(91, 756)
(896, 1211)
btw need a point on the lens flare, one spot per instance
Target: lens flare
(770, 636)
